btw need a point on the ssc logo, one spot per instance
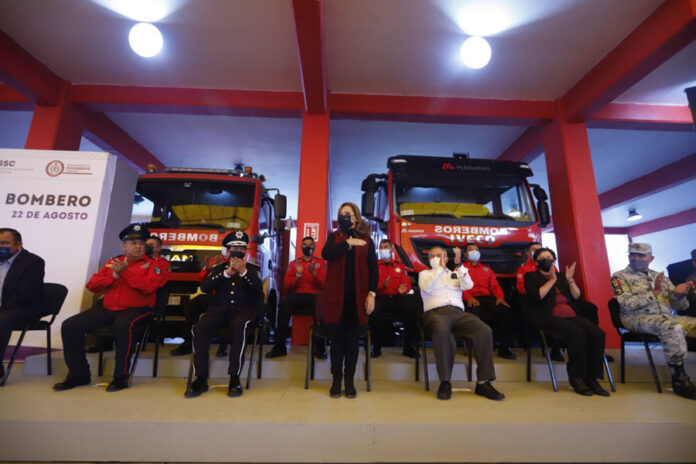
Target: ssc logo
(55, 168)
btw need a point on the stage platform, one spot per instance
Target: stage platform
(277, 420)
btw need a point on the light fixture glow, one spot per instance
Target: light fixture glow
(145, 39)
(475, 52)
(633, 215)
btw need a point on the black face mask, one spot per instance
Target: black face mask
(308, 251)
(149, 250)
(545, 264)
(237, 254)
(345, 222)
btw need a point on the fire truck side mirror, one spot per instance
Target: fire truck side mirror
(542, 205)
(368, 204)
(278, 225)
(280, 203)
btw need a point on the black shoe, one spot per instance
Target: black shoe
(411, 352)
(235, 387)
(335, 390)
(681, 383)
(320, 354)
(70, 383)
(277, 351)
(579, 386)
(182, 350)
(596, 388)
(505, 353)
(556, 355)
(222, 352)
(198, 387)
(117, 384)
(444, 391)
(350, 388)
(486, 389)
(2, 373)
(376, 352)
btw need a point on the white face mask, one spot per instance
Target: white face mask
(385, 254)
(435, 263)
(225, 252)
(474, 255)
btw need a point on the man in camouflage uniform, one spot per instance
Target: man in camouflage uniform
(646, 298)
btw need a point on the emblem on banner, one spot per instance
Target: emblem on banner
(311, 229)
(55, 168)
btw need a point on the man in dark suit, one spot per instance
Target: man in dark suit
(21, 287)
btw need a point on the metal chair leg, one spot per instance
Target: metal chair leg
(548, 360)
(609, 373)
(136, 355)
(469, 354)
(368, 365)
(49, 362)
(425, 362)
(623, 361)
(189, 378)
(529, 363)
(158, 340)
(3, 381)
(309, 359)
(260, 361)
(652, 366)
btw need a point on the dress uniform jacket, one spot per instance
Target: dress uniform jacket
(236, 291)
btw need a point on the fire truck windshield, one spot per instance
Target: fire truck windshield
(178, 203)
(424, 198)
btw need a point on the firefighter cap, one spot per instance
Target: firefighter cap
(134, 232)
(236, 238)
(642, 248)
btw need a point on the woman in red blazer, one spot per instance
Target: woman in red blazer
(349, 292)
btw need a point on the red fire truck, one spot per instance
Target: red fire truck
(192, 210)
(428, 201)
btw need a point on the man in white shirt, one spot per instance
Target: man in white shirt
(444, 317)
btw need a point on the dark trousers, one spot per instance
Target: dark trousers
(499, 317)
(345, 344)
(408, 308)
(584, 341)
(237, 321)
(446, 323)
(125, 323)
(192, 311)
(13, 319)
(296, 304)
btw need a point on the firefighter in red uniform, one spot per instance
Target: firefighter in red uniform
(197, 306)
(486, 300)
(303, 281)
(396, 299)
(153, 247)
(130, 281)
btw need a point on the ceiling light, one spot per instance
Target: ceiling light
(145, 39)
(475, 52)
(633, 215)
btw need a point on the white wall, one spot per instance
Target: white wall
(670, 246)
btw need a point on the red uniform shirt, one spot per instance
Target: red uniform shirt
(165, 269)
(312, 278)
(529, 266)
(397, 275)
(209, 264)
(485, 283)
(134, 288)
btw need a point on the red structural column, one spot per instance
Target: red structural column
(577, 216)
(57, 127)
(313, 199)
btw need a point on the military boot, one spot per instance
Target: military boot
(681, 383)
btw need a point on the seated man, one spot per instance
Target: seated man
(486, 300)
(394, 298)
(21, 287)
(235, 304)
(303, 281)
(444, 316)
(153, 247)
(130, 281)
(646, 298)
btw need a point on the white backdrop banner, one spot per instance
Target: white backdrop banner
(59, 201)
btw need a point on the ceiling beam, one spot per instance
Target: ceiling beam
(11, 100)
(667, 30)
(109, 133)
(26, 75)
(668, 176)
(526, 147)
(309, 31)
(634, 116)
(667, 222)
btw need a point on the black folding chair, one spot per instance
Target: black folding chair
(544, 343)
(257, 336)
(160, 309)
(53, 299)
(321, 330)
(426, 379)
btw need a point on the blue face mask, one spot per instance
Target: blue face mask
(5, 253)
(474, 255)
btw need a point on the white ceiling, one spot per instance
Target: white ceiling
(396, 47)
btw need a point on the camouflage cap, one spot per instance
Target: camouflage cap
(642, 248)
